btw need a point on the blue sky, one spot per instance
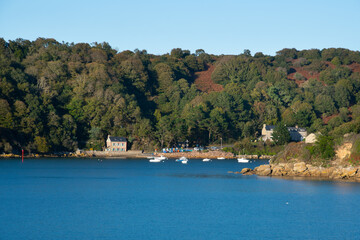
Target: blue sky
(218, 27)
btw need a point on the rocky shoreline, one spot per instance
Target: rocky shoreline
(303, 170)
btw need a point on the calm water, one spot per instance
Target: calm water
(135, 199)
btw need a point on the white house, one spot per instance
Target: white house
(116, 144)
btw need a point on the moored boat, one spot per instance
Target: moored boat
(156, 159)
(181, 159)
(184, 161)
(243, 160)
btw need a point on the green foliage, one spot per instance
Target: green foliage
(281, 135)
(229, 149)
(41, 144)
(355, 111)
(246, 146)
(287, 53)
(349, 127)
(6, 118)
(324, 104)
(323, 147)
(331, 76)
(299, 76)
(59, 96)
(336, 61)
(356, 146)
(354, 158)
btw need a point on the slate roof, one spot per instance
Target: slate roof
(269, 127)
(296, 129)
(117, 139)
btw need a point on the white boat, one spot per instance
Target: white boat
(206, 160)
(243, 160)
(220, 158)
(162, 157)
(181, 159)
(156, 159)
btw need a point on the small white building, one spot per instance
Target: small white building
(311, 138)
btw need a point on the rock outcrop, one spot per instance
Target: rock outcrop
(301, 169)
(247, 171)
(263, 170)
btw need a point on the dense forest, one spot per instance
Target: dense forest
(63, 96)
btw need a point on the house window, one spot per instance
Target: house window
(113, 144)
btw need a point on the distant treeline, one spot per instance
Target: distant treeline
(59, 96)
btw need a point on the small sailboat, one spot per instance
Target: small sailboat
(206, 160)
(220, 158)
(243, 160)
(184, 161)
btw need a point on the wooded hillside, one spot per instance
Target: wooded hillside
(63, 96)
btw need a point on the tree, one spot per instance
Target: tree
(324, 104)
(324, 147)
(198, 52)
(336, 61)
(247, 53)
(6, 119)
(41, 144)
(343, 90)
(281, 135)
